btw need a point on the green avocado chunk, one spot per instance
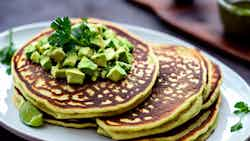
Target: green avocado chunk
(109, 34)
(98, 41)
(42, 47)
(85, 51)
(29, 50)
(56, 72)
(45, 62)
(125, 66)
(124, 56)
(87, 66)
(109, 53)
(75, 76)
(104, 73)
(57, 54)
(125, 43)
(35, 57)
(95, 75)
(70, 60)
(116, 73)
(100, 59)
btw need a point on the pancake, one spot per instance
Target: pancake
(209, 68)
(215, 83)
(73, 123)
(175, 99)
(93, 99)
(199, 128)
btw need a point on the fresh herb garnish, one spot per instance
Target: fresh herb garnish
(241, 110)
(85, 33)
(7, 52)
(65, 37)
(61, 36)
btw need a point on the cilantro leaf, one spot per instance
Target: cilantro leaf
(84, 33)
(236, 126)
(7, 52)
(242, 109)
(61, 36)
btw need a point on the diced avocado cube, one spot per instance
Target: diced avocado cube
(108, 43)
(104, 73)
(109, 34)
(29, 50)
(58, 73)
(125, 66)
(109, 53)
(85, 51)
(87, 66)
(98, 41)
(35, 57)
(70, 60)
(75, 76)
(57, 54)
(125, 57)
(45, 62)
(95, 75)
(100, 59)
(125, 43)
(116, 73)
(43, 41)
(43, 47)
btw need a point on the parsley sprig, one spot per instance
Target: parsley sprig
(241, 110)
(64, 36)
(7, 52)
(61, 36)
(84, 33)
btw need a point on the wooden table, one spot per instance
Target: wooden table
(18, 12)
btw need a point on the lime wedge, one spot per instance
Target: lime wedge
(30, 115)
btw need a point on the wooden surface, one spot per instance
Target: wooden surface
(19, 12)
(201, 20)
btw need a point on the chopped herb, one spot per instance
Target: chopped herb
(61, 36)
(7, 52)
(241, 110)
(236, 127)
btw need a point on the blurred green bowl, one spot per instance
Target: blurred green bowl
(235, 17)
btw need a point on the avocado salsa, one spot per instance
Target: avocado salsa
(84, 51)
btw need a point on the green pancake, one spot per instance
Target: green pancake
(199, 128)
(215, 83)
(209, 68)
(18, 99)
(93, 99)
(176, 97)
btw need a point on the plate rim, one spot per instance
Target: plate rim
(128, 26)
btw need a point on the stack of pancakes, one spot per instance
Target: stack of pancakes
(172, 93)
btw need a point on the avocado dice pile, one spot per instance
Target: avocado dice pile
(90, 52)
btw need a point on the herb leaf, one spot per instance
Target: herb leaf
(242, 109)
(84, 33)
(61, 36)
(236, 126)
(7, 52)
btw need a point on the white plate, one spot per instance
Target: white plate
(234, 89)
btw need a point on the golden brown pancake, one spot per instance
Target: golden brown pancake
(198, 128)
(93, 99)
(176, 97)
